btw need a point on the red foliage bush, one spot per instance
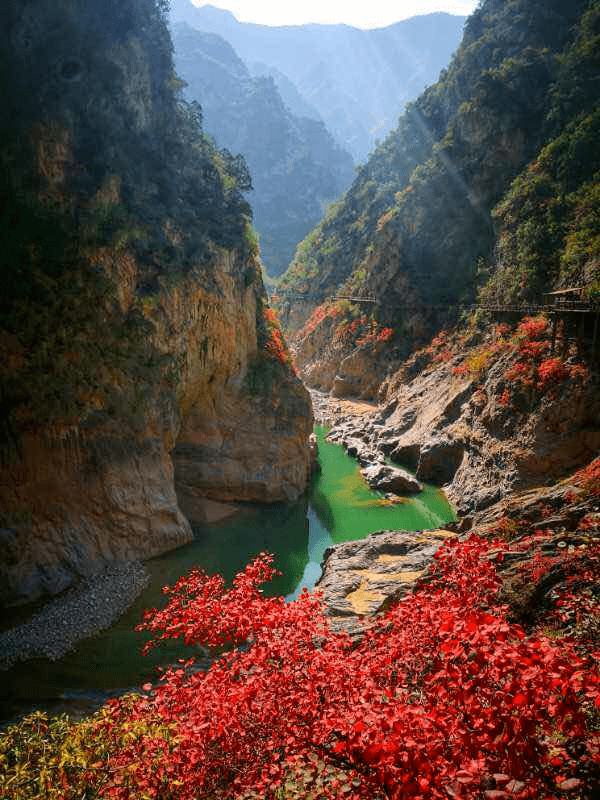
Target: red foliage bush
(444, 697)
(274, 344)
(534, 367)
(276, 347)
(375, 335)
(551, 370)
(532, 328)
(325, 311)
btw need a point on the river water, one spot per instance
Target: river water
(339, 507)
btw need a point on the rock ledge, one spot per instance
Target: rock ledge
(362, 577)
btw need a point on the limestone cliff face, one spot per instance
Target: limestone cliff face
(137, 372)
(240, 438)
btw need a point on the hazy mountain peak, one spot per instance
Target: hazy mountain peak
(358, 81)
(213, 12)
(211, 46)
(296, 166)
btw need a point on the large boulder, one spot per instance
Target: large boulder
(385, 478)
(407, 455)
(365, 576)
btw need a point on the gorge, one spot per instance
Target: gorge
(339, 507)
(440, 323)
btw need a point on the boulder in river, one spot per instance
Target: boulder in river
(363, 577)
(386, 478)
(439, 460)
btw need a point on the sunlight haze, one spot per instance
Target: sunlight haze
(376, 14)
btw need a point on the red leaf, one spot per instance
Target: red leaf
(519, 699)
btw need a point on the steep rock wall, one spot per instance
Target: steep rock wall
(133, 312)
(458, 417)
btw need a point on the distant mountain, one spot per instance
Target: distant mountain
(289, 93)
(357, 80)
(296, 166)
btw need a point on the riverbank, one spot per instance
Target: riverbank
(328, 410)
(98, 601)
(94, 605)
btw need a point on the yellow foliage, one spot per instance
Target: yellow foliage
(55, 758)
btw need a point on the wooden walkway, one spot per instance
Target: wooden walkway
(561, 306)
(571, 313)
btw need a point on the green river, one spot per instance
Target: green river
(339, 507)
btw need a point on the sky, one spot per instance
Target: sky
(363, 14)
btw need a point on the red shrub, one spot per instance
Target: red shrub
(534, 367)
(551, 370)
(588, 478)
(444, 698)
(532, 327)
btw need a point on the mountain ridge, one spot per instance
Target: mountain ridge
(295, 164)
(335, 67)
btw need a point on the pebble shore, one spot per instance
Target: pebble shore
(94, 605)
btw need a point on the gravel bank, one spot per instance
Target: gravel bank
(90, 607)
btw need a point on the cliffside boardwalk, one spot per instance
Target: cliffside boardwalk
(567, 306)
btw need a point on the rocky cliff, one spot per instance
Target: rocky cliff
(484, 189)
(485, 412)
(140, 368)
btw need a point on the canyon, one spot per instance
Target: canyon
(410, 424)
(146, 384)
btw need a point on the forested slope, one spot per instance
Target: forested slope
(417, 231)
(296, 166)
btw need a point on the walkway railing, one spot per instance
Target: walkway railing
(563, 306)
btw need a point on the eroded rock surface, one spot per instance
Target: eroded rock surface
(451, 430)
(361, 578)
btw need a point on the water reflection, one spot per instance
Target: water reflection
(318, 540)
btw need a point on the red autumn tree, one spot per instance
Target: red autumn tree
(441, 697)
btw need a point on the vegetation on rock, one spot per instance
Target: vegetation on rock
(534, 369)
(131, 284)
(488, 182)
(549, 231)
